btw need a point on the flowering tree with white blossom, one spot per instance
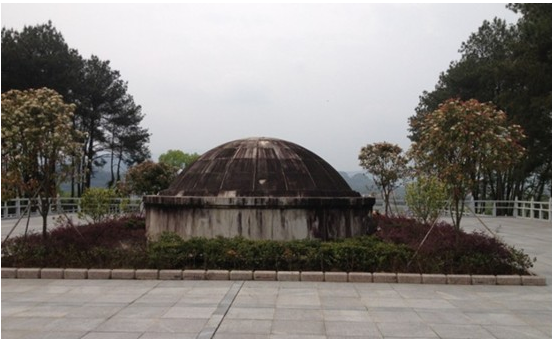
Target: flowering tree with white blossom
(39, 144)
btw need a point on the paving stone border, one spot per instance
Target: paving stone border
(354, 277)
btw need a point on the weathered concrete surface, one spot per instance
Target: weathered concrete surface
(260, 167)
(282, 218)
(259, 188)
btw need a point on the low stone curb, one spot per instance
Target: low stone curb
(99, 273)
(52, 273)
(353, 277)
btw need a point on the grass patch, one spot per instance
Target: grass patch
(121, 243)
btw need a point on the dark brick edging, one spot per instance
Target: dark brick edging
(361, 277)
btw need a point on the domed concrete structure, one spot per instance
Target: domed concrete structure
(259, 188)
(260, 167)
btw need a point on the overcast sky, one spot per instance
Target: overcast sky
(329, 77)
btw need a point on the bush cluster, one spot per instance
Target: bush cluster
(395, 247)
(358, 254)
(114, 243)
(448, 251)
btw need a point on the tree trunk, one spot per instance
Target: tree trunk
(44, 209)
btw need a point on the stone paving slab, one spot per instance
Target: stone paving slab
(35, 308)
(159, 309)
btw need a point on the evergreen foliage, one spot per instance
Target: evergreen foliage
(510, 66)
(37, 57)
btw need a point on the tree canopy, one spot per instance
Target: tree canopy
(178, 159)
(148, 177)
(387, 164)
(461, 142)
(38, 56)
(39, 144)
(511, 66)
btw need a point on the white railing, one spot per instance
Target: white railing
(14, 208)
(526, 209)
(529, 209)
(541, 210)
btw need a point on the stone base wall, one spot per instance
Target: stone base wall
(259, 218)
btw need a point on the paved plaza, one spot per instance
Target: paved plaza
(257, 309)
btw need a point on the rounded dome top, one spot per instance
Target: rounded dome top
(256, 167)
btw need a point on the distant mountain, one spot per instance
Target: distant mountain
(359, 182)
(100, 178)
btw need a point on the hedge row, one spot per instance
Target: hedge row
(365, 254)
(394, 248)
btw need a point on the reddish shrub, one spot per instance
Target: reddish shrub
(121, 243)
(447, 251)
(113, 243)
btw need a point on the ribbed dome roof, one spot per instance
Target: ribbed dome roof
(257, 167)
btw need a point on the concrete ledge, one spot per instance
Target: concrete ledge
(335, 276)
(312, 276)
(508, 280)
(459, 279)
(533, 280)
(9, 272)
(170, 274)
(123, 274)
(409, 278)
(264, 275)
(289, 276)
(360, 277)
(51, 273)
(353, 277)
(193, 274)
(241, 275)
(434, 279)
(75, 273)
(99, 273)
(483, 280)
(28, 273)
(147, 274)
(217, 275)
(383, 277)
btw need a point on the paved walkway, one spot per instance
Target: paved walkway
(229, 309)
(34, 224)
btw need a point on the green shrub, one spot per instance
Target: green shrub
(361, 254)
(426, 197)
(96, 204)
(121, 243)
(110, 244)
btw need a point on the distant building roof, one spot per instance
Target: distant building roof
(256, 167)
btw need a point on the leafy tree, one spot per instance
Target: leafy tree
(178, 159)
(126, 141)
(426, 198)
(149, 177)
(38, 145)
(510, 65)
(387, 164)
(533, 55)
(38, 56)
(462, 140)
(104, 89)
(95, 204)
